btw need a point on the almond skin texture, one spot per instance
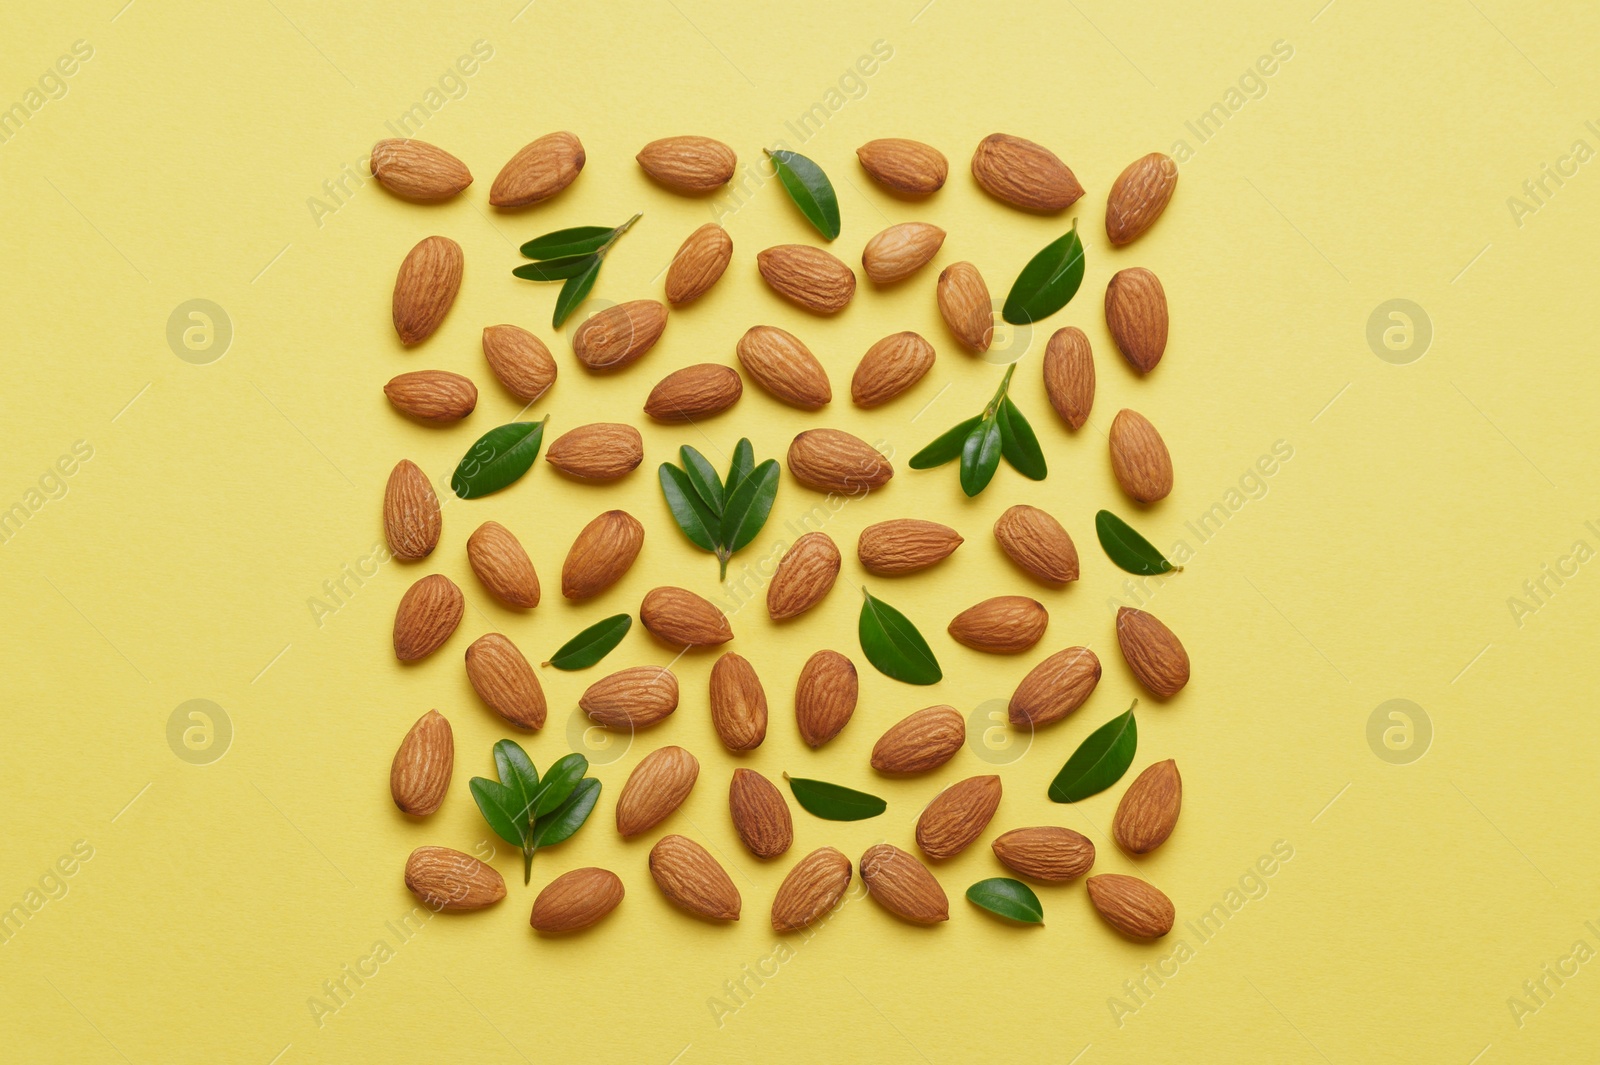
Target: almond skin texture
(601, 554)
(519, 360)
(1003, 625)
(804, 576)
(1131, 906)
(437, 396)
(925, 740)
(903, 885)
(1138, 196)
(425, 287)
(576, 900)
(813, 887)
(603, 451)
(688, 875)
(1069, 375)
(785, 367)
(699, 264)
(1149, 809)
(619, 335)
(1136, 314)
(411, 519)
(1045, 853)
(1024, 174)
(418, 171)
(825, 696)
(830, 460)
(420, 774)
(1152, 652)
(1139, 457)
(505, 681)
(631, 698)
(910, 168)
(965, 305)
(682, 618)
(540, 170)
(656, 787)
(503, 566)
(688, 164)
(1055, 688)
(450, 880)
(905, 545)
(900, 251)
(428, 613)
(738, 703)
(957, 816)
(890, 367)
(808, 277)
(1037, 542)
(760, 815)
(694, 392)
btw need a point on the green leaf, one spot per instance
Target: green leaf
(517, 774)
(1099, 761)
(559, 781)
(688, 509)
(1127, 548)
(832, 802)
(1008, 898)
(1048, 282)
(498, 458)
(567, 818)
(500, 808)
(980, 456)
(556, 269)
(574, 292)
(592, 644)
(749, 506)
(810, 190)
(744, 461)
(946, 447)
(1018, 442)
(893, 645)
(579, 240)
(704, 478)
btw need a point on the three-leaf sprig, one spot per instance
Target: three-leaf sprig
(531, 813)
(571, 255)
(716, 515)
(981, 441)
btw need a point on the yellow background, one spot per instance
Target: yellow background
(1375, 165)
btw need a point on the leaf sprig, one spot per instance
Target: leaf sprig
(592, 644)
(531, 813)
(716, 515)
(810, 190)
(893, 645)
(498, 458)
(980, 442)
(571, 255)
(834, 802)
(1048, 282)
(1099, 761)
(1130, 551)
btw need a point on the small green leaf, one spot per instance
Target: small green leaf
(688, 509)
(704, 478)
(1099, 761)
(517, 774)
(980, 456)
(1008, 898)
(574, 292)
(500, 808)
(810, 190)
(559, 780)
(567, 818)
(592, 644)
(556, 269)
(1127, 548)
(498, 458)
(744, 461)
(748, 507)
(1048, 282)
(579, 240)
(1018, 442)
(946, 447)
(893, 645)
(832, 802)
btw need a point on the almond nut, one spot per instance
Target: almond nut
(957, 816)
(1005, 624)
(631, 698)
(502, 565)
(1138, 196)
(1131, 906)
(425, 287)
(1045, 853)
(905, 545)
(433, 395)
(411, 519)
(760, 815)
(420, 774)
(688, 164)
(1069, 375)
(519, 360)
(908, 167)
(1139, 457)
(784, 366)
(601, 554)
(699, 264)
(416, 170)
(1024, 174)
(925, 740)
(505, 681)
(616, 336)
(603, 451)
(682, 618)
(900, 251)
(1136, 314)
(889, 367)
(966, 307)
(1037, 542)
(808, 277)
(804, 576)
(825, 696)
(656, 787)
(1055, 688)
(1149, 809)
(813, 887)
(428, 613)
(694, 392)
(450, 880)
(738, 703)
(575, 900)
(538, 171)
(1152, 652)
(688, 876)
(830, 460)
(903, 885)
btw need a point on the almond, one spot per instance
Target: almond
(1139, 457)
(813, 887)
(900, 251)
(433, 395)
(925, 740)
(1024, 174)
(688, 875)
(682, 618)
(784, 366)
(1149, 809)
(804, 576)
(1055, 688)
(694, 392)
(1069, 375)
(1138, 196)
(1045, 853)
(760, 815)
(616, 336)
(889, 367)
(688, 164)
(505, 681)
(575, 900)
(699, 264)
(1005, 624)
(519, 360)
(957, 816)
(415, 170)
(1131, 906)
(738, 704)
(656, 787)
(428, 613)
(425, 287)
(450, 880)
(825, 696)
(910, 168)
(808, 277)
(631, 698)
(905, 545)
(502, 565)
(903, 885)
(831, 460)
(538, 171)
(420, 774)
(603, 451)
(966, 307)
(1136, 314)
(1037, 542)
(601, 554)
(411, 519)
(1154, 654)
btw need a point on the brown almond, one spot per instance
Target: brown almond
(601, 554)
(682, 618)
(925, 740)
(1069, 375)
(538, 171)
(957, 816)
(425, 287)
(631, 698)
(760, 815)
(428, 613)
(825, 696)
(1138, 196)
(784, 366)
(616, 336)
(688, 876)
(903, 885)
(1024, 174)
(813, 887)
(1139, 457)
(1045, 853)
(1152, 652)
(1036, 541)
(505, 681)
(411, 519)
(900, 251)
(738, 703)
(418, 171)
(808, 277)
(694, 392)
(1136, 314)
(804, 576)
(433, 395)
(657, 786)
(519, 360)
(699, 264)
(502, 565)
(890, 367)
(603, 451)
(1004, 624)
(905, 545)
(688, 164)
(965, 305)
(450, 880)
(575, 900)
(1055, 688)
(420, 774)
(831, 460)
(1131, 906)
(908, 167)
(1149, 809)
